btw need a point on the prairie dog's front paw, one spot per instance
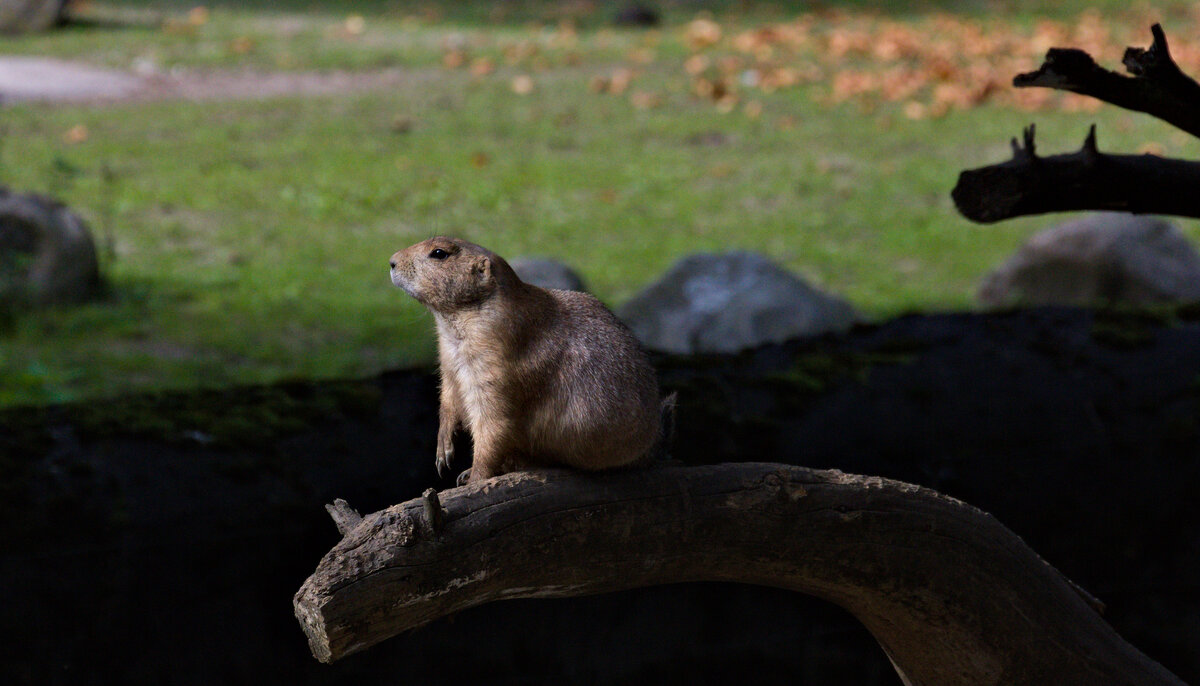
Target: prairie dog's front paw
(445, 450)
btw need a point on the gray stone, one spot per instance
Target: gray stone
(547, 273)
(725, 303)
(26, 16)
(1104, 257)
(47, 256)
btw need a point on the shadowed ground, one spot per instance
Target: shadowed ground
(162, 537)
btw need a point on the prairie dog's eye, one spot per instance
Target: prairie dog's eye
(439, 254)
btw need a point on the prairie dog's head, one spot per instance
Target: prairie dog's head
(446, 274)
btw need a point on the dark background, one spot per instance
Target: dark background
(159, 539)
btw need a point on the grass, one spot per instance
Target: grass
(251, 237)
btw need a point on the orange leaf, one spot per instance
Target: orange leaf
(522, 84)
(76, 134)
(701, 33)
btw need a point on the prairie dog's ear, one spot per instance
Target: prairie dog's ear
(481, 268)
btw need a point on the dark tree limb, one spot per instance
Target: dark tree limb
(951, 594)
(1083, 180)
(1158, 87)
(1089, 179)
(345, 518)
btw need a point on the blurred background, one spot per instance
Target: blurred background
(247, 167)
(232, 354)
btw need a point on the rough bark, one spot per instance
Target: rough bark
(951, 595)
(1089, 179)
(1083, 180)
(345, 518)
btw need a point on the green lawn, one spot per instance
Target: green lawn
(250, 238)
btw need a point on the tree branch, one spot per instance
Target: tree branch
(1084, 180)
(345, 518)
(951, 594)
(1158, 87)
(1089, 179)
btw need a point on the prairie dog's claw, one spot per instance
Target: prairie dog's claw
(445, 452)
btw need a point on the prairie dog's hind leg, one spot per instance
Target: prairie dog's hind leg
(493, 456)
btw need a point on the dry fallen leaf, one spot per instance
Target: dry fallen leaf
(619, 81)
(702, 33)
(721, 170)
(354, 25)
(197, 16)
(522, 84)
(519, 51)
(729, 65)
(565, 36)
(482, 66)
(241, 45)
(644, 100)
(695, 64)
(76, 134)
(641, 55)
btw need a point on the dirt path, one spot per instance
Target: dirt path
(25, 79)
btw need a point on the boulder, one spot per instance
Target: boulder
(638, 15)
(28, 16)
(47, 256)
(710, 303)
(547, 273)
(1104, 257)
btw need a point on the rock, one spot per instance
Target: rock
(47, 256)
(547, 273)
(27, 16)
(1104, 257)
(726, 303)
(639, 15)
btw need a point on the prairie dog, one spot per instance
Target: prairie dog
(538, 377)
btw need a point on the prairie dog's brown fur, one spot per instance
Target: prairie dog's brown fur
(538, 377)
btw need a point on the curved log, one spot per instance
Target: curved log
(951, 594)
